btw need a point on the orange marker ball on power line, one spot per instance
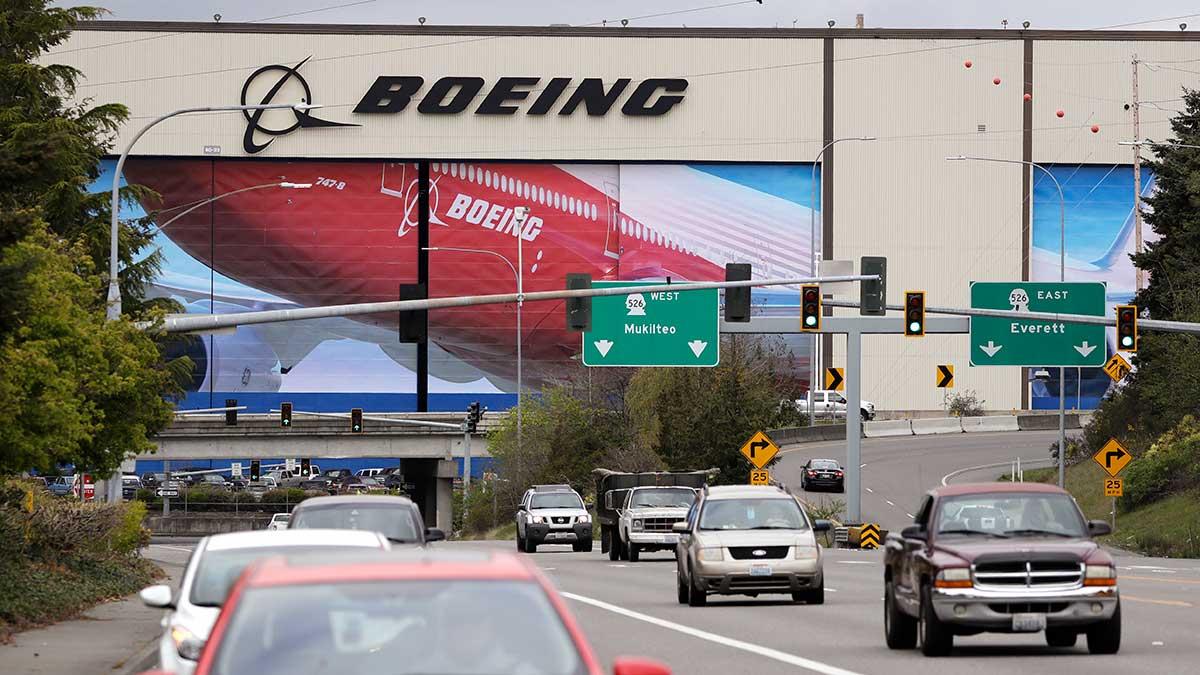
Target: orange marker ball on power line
(1028, 98)
(1095, 128)
(967, 63)
(1060, 113)
(996, 81)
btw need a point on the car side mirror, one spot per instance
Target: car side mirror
(434, 534)
(680, 528)
(608, 501)
(157, 596)
(632, 666)
(914, 532)
(1097, 528)
(821, 525)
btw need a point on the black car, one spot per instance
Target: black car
(130, 484)
(151, 480)
(825, 474)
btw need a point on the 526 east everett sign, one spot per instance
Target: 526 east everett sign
(999, 341)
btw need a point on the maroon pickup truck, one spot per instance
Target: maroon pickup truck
(1004, 558)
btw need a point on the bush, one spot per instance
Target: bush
(1172, 464)
(207, 499)
(965, 404)
(282, 500)
(130, 536)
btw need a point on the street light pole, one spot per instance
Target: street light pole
(204, 202)
(1062, 277)
(814, 371)
(113, 310)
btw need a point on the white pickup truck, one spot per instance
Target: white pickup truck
(647, 517)
(832, 404)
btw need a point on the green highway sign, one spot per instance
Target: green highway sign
(671, 328)
(1008, 342)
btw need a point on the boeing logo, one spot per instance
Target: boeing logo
(254, 117)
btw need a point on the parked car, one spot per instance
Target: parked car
(279, 521)
(748, 540)
(822, 473)
(335, 474)
(831, 404)
(130, 484)
(369, 473)
(213, 568)
(398, 518)
(210, 480)
(257, 489)
(999, 557)
(151, 480)
(61, 485)
(374, 611)
(357, 485)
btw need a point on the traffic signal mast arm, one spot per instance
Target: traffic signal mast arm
(191, 323)
(385, 420)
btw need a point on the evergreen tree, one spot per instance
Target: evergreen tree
(73, 388)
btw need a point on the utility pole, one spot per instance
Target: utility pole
(1137, 173)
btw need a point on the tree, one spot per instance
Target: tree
(1167, 382)
(697, 418)
(73, 388)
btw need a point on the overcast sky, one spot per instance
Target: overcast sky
(1160, 14)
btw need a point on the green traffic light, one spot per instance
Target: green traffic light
(915, 327)
(1126, 341)
(810, 320)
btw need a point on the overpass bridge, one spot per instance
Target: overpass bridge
(429, 456)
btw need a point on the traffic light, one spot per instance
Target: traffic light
(579, 310)
(1127, 337)
(305, 466)
(254, 471)
(231, 412)
(285, 414)
(914, 313)
(810, 308)
(872, 294)
(356, 421)
(737, 300)
(474, 415)
(414, 325)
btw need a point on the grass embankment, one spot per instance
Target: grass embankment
(1169, 527)
(59, 557)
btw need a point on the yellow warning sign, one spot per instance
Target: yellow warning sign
(1117, 367)
(868, 536)
(835, 379)
(759, 449)
(945, 376)
(1114, 487)
(760, 477)
(1113, 457)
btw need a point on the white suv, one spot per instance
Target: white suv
(553, 514)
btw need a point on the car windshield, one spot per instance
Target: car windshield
(662, 498)
(556, 500)
(218, 570)
(398, 628)
(777, 513)
(1010, 514)
(824, 464)
(396, 522)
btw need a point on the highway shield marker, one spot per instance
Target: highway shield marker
(760, 477)
(1117, 367)
(835, 379)
(1114, 487)
(760, 449)
(945, 376)
(1113, 457)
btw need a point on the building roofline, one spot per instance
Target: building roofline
(636, 32)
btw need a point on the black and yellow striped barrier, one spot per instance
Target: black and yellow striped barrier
(867, 535)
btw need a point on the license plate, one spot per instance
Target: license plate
(1028, 623)
(760, 570)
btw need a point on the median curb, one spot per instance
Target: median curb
(990, 423)
(937, 425)
(888, 428)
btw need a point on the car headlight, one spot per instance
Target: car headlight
(536, 519)
(806, 552)
(953, 577)
(186, 643)
(636, 524)
(714, 554)
(1099, 575)
(585, 518)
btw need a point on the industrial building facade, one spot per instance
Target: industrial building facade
(643, 154)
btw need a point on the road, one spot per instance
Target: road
(631, 609)
(898, 470)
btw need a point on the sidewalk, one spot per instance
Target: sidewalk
(116, 637)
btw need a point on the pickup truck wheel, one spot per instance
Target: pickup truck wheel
(1061, 637)
(530, 547)
(936, 638)
(899, 628)
(605, 540)
(1105, 637)
(634, 552)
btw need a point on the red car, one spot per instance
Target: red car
(431, 612)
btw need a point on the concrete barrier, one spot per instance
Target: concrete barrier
(793, 435)
(937, 425)
(888, 428)
(990, 423)
(1046, 422)
(204, 524)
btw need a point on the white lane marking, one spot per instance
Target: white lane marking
(831, 590)
(1157, 643)
(784, 657)
(173, 548)
(869, 490)
(618, 565)
(864, 464)
(909, 515)
(890, 502)
(549, 569)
